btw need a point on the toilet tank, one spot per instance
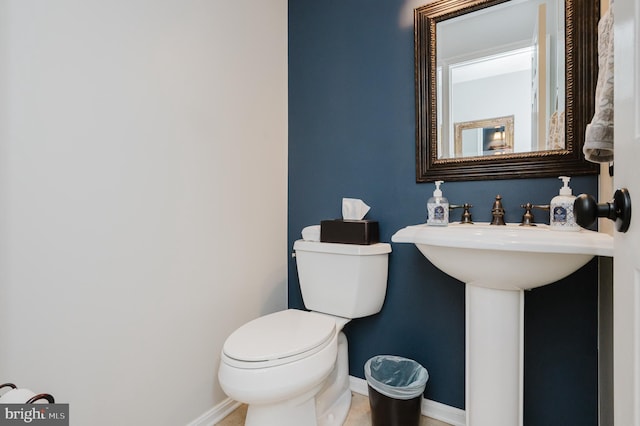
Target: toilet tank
(347, 280)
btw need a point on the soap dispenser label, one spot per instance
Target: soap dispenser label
(438, 214)
(559, 214)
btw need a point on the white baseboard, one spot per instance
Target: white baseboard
(216, 414)
(446, 413)
(435, 410)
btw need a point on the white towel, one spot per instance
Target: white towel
(598, 145)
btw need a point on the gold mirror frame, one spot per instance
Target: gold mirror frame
(581, 38)
(504, 123)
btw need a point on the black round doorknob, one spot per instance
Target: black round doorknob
(587, 210)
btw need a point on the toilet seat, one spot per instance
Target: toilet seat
(278, 338)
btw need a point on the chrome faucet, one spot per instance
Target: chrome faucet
(497, 211)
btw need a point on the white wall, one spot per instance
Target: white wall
(143, 150)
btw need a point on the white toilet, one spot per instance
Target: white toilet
(291, 367)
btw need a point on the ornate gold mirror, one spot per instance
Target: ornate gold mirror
(504, 88)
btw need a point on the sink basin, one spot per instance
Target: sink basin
(497, 263)
(510, 257)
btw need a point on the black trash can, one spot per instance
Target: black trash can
(396, 386)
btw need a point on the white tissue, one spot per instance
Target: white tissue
(354, 209)
(17, 396)
(311, 233)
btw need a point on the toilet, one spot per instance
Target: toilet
(291, 367)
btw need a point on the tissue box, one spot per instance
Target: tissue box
(349, 231)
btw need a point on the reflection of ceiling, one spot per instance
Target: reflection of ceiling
(514, 61)
(504, 24)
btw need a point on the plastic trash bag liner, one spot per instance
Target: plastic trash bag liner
(396, 377)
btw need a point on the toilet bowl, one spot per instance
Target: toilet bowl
(278, 376)
(291, 367)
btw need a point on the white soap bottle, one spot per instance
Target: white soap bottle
(438, 208)
(561, 216)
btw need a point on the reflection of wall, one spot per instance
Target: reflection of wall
(509, 24)
(507, 94)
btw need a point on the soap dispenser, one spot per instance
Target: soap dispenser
(438, 208)
(561, 206)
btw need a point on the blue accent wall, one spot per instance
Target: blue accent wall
(352, 134)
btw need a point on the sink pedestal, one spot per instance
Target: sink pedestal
(494, 342)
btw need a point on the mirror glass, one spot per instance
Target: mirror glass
(496, 84)
(506, 60)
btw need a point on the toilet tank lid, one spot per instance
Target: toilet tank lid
(338, 248)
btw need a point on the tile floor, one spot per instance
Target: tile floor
(359, 415)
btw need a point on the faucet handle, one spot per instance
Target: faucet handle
(527, 217)
(466, 214)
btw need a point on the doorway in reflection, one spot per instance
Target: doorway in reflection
(483, 89)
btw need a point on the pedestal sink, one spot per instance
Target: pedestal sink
(497, 263)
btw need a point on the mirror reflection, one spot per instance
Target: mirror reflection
(484, 137)
(501, 80)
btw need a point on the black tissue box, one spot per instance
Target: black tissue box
(349, 231)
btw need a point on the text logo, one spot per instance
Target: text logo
(34, 414)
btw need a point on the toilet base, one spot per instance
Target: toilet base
(325, 405)
(295, 412)
(334, 400)
(338, 412)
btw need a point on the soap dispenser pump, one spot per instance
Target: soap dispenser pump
(438, 207)
(561, 206)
